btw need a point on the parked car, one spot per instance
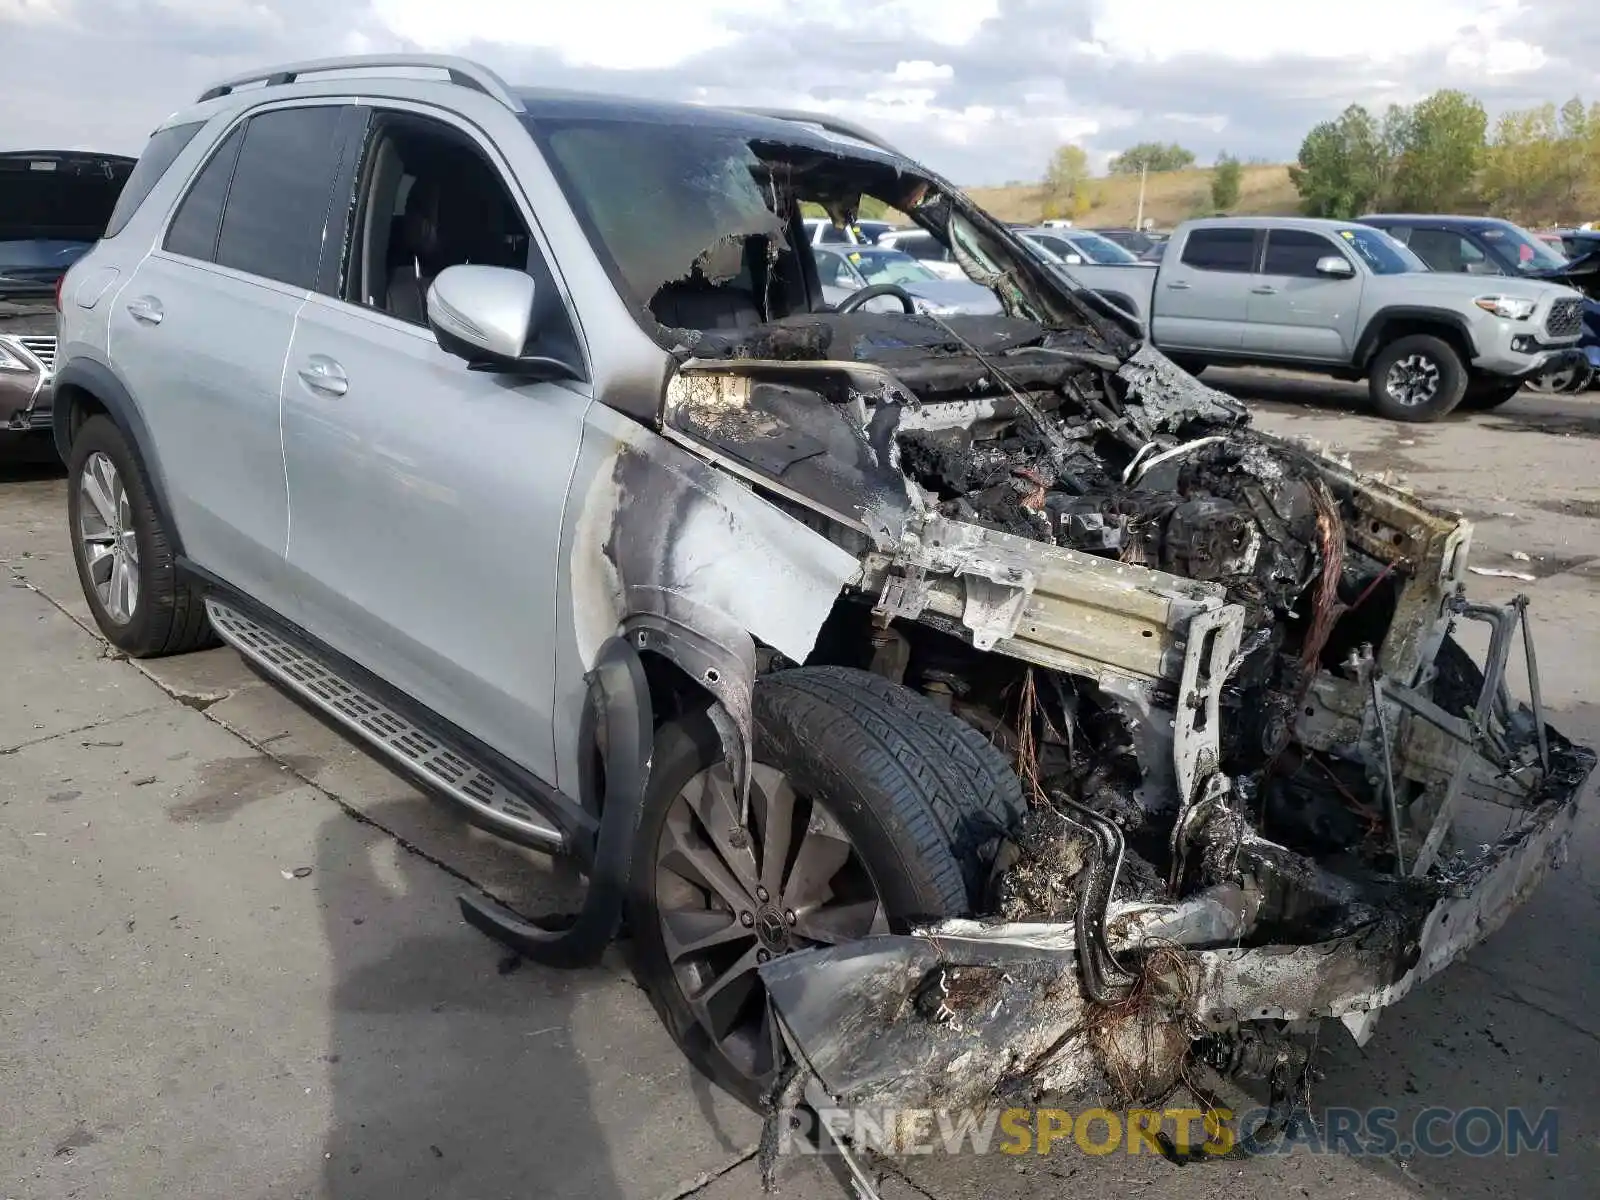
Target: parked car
(607, 526)
(1469, 245)
(847, 271)
(1140, 243)
(1480, 246)
(926, 249)
(823, 232)
(53, 205)
(1349, 300)
(1575, 243)
(1074, 246)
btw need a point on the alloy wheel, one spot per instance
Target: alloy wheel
(729, 900)
(1413, 380)
(110, 544)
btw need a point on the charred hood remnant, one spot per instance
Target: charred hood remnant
(1226, 668)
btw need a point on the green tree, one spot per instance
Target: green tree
(1440, 145)
(1343, 165)
(1225, 182)
(1066, 183)
(1151, 156)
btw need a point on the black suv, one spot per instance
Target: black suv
(1470, 245)
(54, 205)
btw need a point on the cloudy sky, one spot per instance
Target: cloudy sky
(982, 90)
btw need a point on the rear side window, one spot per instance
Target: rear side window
(1295, 252)
(162, 149)
(193, 232)
(920, 245)
(278, 203)
(1220, 250)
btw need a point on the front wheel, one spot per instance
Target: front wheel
(1417, 378)
(870, 811)
(123, 552)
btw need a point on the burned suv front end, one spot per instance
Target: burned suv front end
(1232, 674)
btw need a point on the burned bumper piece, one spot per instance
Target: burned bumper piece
(1251, 946)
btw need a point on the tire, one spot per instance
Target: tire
(1434, 359)
(168, 615)
(1485, 394)
(923, 799)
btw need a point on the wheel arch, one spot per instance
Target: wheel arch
(84, 388)
(1398, 321)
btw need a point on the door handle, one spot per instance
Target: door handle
(1178, 285)
(146, 310)
(1264, 290)
(323, 374)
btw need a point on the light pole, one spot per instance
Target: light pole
(1138, 222)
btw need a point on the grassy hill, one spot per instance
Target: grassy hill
(1169, 197)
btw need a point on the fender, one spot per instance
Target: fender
(101, 382)
(1367, 345)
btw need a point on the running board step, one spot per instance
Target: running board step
(381, 727)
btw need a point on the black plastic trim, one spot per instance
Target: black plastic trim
(577, 825)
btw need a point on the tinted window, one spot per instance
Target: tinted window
(832, 271)
(1295, 252)
(1220, 249)
(164, 146)
(832, 235)
(193, 231)
(920, 245)
(1446, 250)
(279, 200)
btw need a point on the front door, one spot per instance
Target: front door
(1297, 313)
(426, 498)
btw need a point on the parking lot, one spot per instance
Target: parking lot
(233, 964)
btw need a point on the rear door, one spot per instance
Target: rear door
(1295, 312)
(1202, 299)
(200, 331)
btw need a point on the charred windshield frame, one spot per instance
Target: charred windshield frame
(603, 166)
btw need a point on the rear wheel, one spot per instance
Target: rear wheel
(1484, 394)
(870, 810)
(124, 558)
(1417, 378)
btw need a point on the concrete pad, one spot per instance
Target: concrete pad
(182, 1019)
(55, 679)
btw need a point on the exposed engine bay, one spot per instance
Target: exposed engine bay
(1223, 664)
(1231, 673)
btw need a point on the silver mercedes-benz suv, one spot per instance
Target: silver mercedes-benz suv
(512, 430)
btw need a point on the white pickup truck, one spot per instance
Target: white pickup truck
(1343, 298)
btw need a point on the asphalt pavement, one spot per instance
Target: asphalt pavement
(232, 965)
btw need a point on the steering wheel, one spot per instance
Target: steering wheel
(856, 299)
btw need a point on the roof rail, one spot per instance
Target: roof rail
(831, 124)
(462, 72)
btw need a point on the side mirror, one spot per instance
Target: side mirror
(1335, 266)
(485, 315)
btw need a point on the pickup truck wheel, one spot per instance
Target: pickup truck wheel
(124, 559)
(870, 810)
(1484, 394)
(1417, 378)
